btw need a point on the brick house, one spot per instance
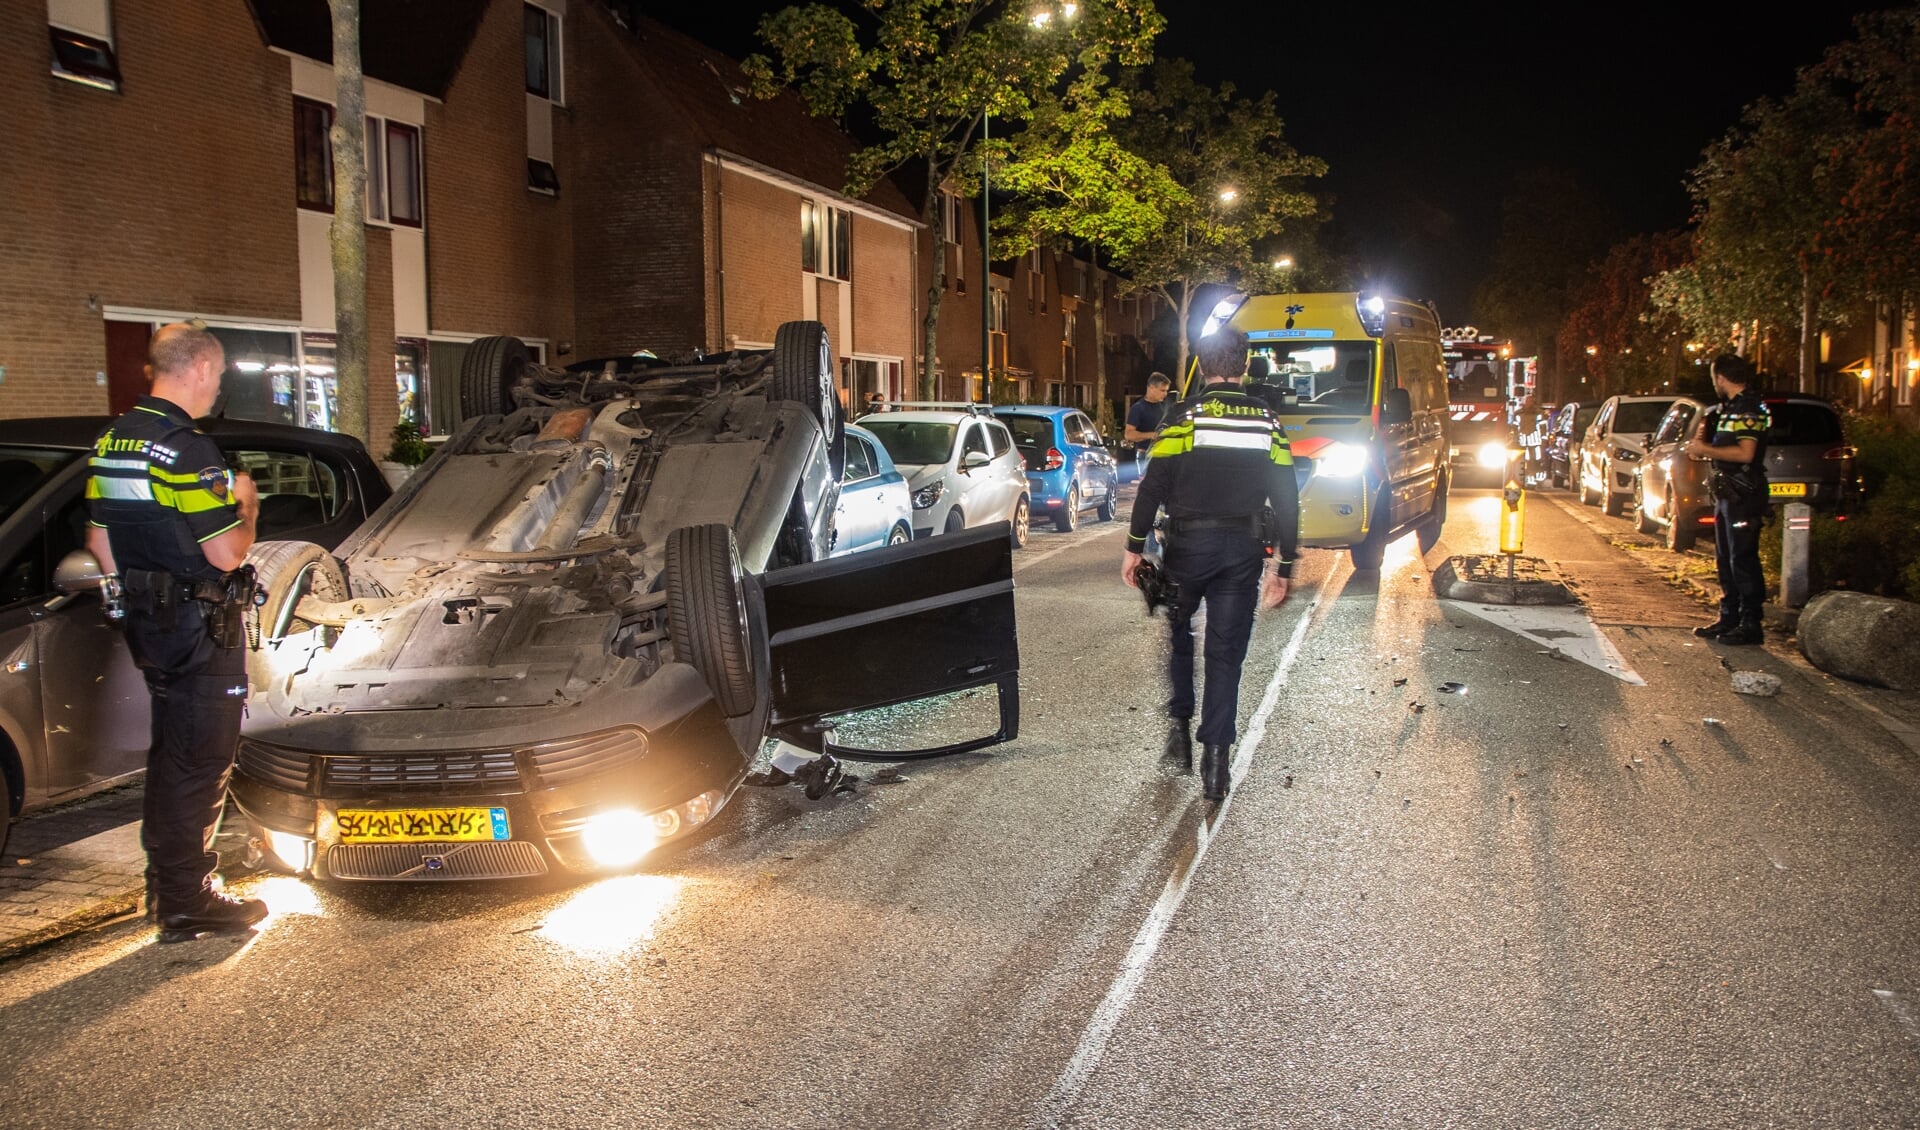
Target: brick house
(535, 167)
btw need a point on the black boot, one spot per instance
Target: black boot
(1747, 632)
(1179, 754)
(1718, 628)
(217, 913)
(1216, 773)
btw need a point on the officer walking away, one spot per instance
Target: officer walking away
(1145, 418)
(1224, 473)
(176, 525)
(1741, 499)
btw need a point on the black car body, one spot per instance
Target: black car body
(1569, 424)
(73, 708)
(574, 627)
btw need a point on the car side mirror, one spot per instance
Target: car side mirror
(1396, 406)
(975, 459)
(78, 572)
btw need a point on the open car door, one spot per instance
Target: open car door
(888, 626)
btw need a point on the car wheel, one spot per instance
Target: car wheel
(1110, 505)
(1586, 496)
(803, 373)
(1369, 552)
(1612, 502)
(492, 367)
(1642, 520)
(1429, 532)
(901, 535)
(956, 521)
(1022, 521)
(1068, 520)
(287, 571)
(707, 612)
(1680, 533)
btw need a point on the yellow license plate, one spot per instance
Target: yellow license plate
(1788, 490)
(421, 825)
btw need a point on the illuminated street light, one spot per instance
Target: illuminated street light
(1042, 18)
(1229, 195)
(1593, 351)
(1284, 262)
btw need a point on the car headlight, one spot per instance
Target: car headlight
(1341, 461)
(928, 495)
(1626, 456)
(294, 852)
(619, 837)
(1491, 454)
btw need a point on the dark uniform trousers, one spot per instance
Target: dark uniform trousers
(1736, 554)
(1220, 566)
(199, 692)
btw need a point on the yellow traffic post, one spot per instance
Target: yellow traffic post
(1513, 522)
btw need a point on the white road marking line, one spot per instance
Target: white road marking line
(1564, 628)
(1133, 968)
(1023, 559)
(1902, 1011)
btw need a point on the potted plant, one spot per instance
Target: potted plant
(410, 449)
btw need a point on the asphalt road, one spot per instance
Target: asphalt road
(1558, 899)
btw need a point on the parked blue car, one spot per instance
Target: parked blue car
(1069, 469)
(875, 505)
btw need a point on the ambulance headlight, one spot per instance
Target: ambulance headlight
(1341, 461)
(1222, 311)
(1373, 314)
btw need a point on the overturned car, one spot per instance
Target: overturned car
(565, 639)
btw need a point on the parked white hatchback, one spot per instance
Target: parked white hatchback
(960, 465)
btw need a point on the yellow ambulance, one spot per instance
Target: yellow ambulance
(1360, 385)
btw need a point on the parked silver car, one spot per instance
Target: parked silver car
(74, 714)
(962, 466)
(1614, 444)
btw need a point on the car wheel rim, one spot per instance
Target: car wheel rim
(1020, 522)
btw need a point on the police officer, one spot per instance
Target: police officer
(176, 525)
(1741, 499)
(1216, 469)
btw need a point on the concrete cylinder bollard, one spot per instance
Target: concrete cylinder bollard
(1868, 638)
(1796, 544)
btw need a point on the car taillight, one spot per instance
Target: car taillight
(1840, 453)
(1055, 460)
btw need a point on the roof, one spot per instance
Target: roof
(416, 44)
(710, 94)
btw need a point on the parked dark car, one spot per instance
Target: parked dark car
(570, 633)
(1671, 497)
(1808, 460)
(1069, 469)
(73, 707)
(1563, 439)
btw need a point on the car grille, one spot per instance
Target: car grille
(498, 770)
(512, 859)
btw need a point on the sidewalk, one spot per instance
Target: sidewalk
(80, 866)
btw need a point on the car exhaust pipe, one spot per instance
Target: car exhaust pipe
(579, 500)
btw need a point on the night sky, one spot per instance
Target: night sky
(1426, 114)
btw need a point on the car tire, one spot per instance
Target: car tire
(1368, 553)
(1110, 505)
(707, 613)
(1680, 533)
(1642, 520)
(1429, 532)
(955, 522)
(286, 571)
(1022, 522)
(1068, 520)
(803, 373)
(1613, 503)
(492, 367)
(901, 534)
(1586, 496)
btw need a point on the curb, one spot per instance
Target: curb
(1483, 580)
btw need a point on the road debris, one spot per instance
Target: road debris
(1288, 783)
(1710, 722)
(1416, 707)
(891, 775)
(1453, 688)
(1758, 683)
(1399, 682)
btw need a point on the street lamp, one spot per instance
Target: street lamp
(1285, 262)
(1229, 195)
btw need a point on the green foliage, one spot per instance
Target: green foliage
(410, 447)
(1640, 348)
(1877, 548)
(1553, 228)
(1874, 230)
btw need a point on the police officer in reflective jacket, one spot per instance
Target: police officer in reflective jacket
(176, 525)
(1742, 499)
(1224, 473)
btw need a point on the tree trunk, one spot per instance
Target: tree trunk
(1185, 310)
(349, 233)
(1103, 407)
(1809, 343)
(928, 383)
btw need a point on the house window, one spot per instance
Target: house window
(826, 240)
(392, 158)
(543, 53)
(999, 323)
(1068, 322)
(312, 155)
(81, 35)
(541, 177)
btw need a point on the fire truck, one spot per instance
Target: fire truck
(1481, 436)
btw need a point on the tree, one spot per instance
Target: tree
(1875, 228)
(1553, 227)
(1242, 185)
(348, 234)
(1638, 347)
(1074, 184)
(927, 73)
